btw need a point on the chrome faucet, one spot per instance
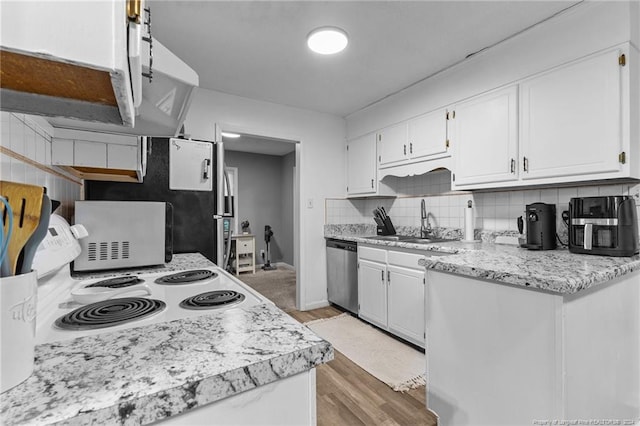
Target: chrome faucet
(425, 231)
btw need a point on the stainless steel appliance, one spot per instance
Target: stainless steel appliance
(342, 274)
(124, 234)
(541, 226)
(603, 225)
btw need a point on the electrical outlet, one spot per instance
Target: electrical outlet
(262, 254)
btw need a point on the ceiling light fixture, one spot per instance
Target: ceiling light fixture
(230, 135)
(327, 40)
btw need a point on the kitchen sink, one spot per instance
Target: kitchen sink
(391, 237)
(409, 239)
(429, 240)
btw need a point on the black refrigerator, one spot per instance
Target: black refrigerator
(199, 216)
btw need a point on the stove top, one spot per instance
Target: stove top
(108, 313)
(173, 295)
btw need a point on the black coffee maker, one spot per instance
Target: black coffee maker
(541, 226)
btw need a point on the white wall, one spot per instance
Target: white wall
(26, 158)
(321, 166)
(582, 30)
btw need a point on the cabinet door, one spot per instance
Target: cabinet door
(372, 293)
(485, 138)
(89, 154)
(361, 165)
(123, 157)
(392, 144)
(571, 119)
(406, 303)
(428, 135)
(62, 152)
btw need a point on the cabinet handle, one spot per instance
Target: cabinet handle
(405, 149)
(371, 183)
(410, 147)
(205, 168)
(513, 165)
(382, 276)
(525, 164)
(388, 277)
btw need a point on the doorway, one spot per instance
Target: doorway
(266, 175)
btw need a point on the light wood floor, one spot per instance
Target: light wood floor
(348, 395)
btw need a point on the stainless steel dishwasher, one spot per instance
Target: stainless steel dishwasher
(342, 274)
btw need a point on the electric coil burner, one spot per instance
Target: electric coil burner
(118, 282)
(213, 300)
(186, 277)
(108, 313)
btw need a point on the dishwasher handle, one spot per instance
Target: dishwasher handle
(342, 245)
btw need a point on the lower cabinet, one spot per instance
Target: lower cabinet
(391, 292)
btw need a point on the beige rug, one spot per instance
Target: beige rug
(398, 365)
(278, 285)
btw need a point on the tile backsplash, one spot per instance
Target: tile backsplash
(493, 211)
(26, 158)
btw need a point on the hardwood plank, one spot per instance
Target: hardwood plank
(348, 395)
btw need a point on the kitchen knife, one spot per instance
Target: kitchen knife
(384, 212)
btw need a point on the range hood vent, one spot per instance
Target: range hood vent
(165, 100)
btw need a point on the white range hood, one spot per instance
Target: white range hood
(166, 98)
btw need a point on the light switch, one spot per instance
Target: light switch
(310, 203)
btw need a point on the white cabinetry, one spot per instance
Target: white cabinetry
(392, 144)
(506, 355)
(427, 135)
(68, 59)
(568, 124)
(414, 141)
(361, 165)
(391, 291)
(100, 156)
(372, 292)
(485, 138)
(571, 119)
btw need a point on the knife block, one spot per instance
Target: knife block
(387, 229)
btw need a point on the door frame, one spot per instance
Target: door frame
(297, 234)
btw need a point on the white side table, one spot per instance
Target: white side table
(245, 249)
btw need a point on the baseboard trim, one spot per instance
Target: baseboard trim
(280, 265)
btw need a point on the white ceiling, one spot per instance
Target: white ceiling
(257, 49)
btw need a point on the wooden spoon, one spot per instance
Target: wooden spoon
(26, 203)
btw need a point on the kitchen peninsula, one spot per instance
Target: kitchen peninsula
(236, 364)
(515, 336)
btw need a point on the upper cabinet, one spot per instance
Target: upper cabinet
(89, 66)
(67, 59)
(427, 135)
(393, 144)
(568, 124)
(419, 139)
(485, 137)
(100, 156)
(571, 119)
(361, 165)
(362, 171)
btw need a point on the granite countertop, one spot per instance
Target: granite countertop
(145, 374)
(558, 271)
